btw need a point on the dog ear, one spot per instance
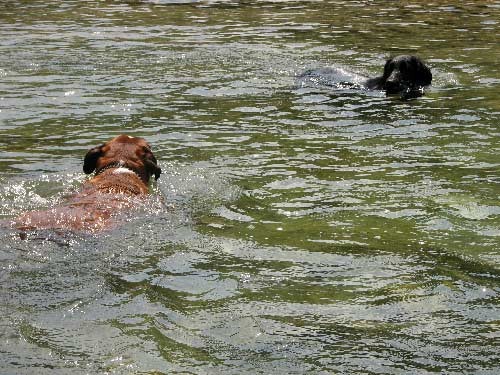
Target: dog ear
(426, 75)
(423, 73)
(388, 68)
(152, 165)
(90, 160)
(152, 168)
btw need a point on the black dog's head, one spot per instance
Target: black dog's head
(406, 75)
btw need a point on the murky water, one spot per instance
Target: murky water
(296, 228)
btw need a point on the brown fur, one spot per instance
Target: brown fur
(123, 168)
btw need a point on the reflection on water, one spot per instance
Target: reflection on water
(295, 229)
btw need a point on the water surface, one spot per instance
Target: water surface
(295, 229)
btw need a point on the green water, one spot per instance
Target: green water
(296, 229)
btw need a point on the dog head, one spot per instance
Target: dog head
(406, 75)
(123, 151)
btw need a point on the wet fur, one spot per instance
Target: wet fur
(123, 167)
(401, 74)
(404, 75)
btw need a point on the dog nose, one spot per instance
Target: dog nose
(392, 86)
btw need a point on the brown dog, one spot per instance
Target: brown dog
(123, 167)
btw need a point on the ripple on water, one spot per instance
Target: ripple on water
(296, 228)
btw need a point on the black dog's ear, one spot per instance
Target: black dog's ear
(423, 73)
(426, 75)
(90, 160)
(388, 68)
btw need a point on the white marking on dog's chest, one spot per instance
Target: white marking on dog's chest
(122, 170)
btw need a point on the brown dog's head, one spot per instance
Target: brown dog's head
(123, 151)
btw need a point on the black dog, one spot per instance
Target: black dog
(404, 75)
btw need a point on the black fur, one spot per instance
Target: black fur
(402, 74)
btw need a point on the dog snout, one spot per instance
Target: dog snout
(393, 86)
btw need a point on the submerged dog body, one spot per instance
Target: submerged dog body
(405, 75)
(123, 167)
